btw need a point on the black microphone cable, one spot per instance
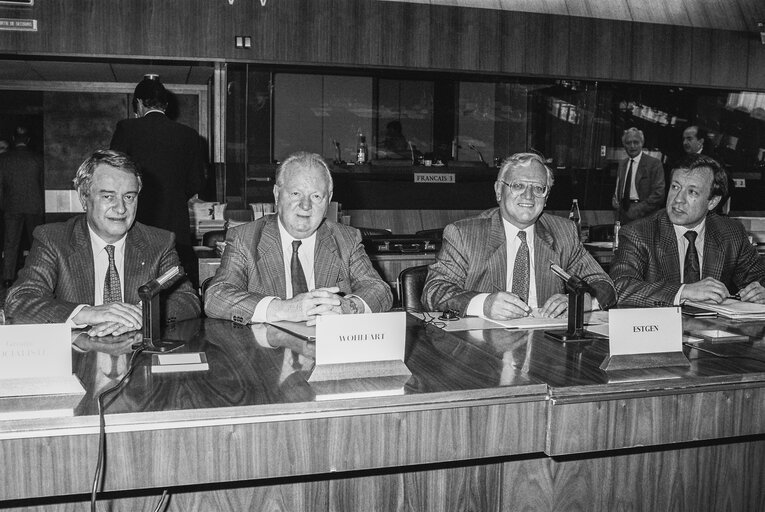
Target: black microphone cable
(99, 472)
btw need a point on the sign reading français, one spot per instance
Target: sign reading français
(360, 338)
(434, 177)
(18, 24)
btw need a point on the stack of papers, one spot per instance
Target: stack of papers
(733, 309)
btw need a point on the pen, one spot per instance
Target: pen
(736, 296)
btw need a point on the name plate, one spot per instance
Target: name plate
(645, 338)
(36, 360)
(360, 346)
(434, 177)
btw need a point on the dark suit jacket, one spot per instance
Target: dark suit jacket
(473, 260)
(169, 156)
(646, 267)
(252, 268)
(649, 182)
(58, 274)
(21, 182)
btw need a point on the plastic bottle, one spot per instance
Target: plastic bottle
(617, 227)
(575, 216)
(362, 153)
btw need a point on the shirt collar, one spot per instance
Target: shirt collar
(637, 158)
(511, 231)
(700, 229)
(99, 243)
(287, 239)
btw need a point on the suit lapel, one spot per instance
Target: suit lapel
(712, 266)
(497, 264)
(668, 256)
(269, 258)
(325, 259)
(80, 261)
(136, 270)
(544, 253)
(621, 177)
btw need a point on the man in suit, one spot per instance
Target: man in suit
(292, 265)
(497, 265)
(170, 158)
(21, 190)
(687, 252)
(640, 183)
(86, 271)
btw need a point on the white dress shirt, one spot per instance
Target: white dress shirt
(475, 307)
(633, 190)
(682, 248)
(100, 268)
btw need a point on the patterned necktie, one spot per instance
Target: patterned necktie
(691, 271)
(112, 288)
(521, 269)
(296, 269)
(627, 188)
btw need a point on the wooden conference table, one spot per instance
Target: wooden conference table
(490, 420)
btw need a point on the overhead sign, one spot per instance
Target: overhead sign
(18, 24)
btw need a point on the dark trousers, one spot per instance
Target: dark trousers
(15, 225)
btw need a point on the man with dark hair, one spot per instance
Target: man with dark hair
(640, 180)
(497, 264)
(86, 271)
(295, 265)
(693, 140)
(23, 200)
(170, 158)
(686, 251)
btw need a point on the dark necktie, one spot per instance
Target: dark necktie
(627, 187)
(691, 271)
(521, 269)
(112, 288)
(296, 269)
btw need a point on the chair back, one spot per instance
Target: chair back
(369, 232)
(211, 237)
(411, 281)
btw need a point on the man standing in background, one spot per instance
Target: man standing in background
(170, 159)
(21, 183)
(640, 180)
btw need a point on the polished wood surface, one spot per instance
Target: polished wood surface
(489, 420)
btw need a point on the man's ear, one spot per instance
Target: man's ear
(276, 194)
(714, 202)
(83, 200)
(498, 190)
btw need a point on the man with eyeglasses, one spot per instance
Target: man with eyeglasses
(497, 265)
(86, 271)
(686, 251)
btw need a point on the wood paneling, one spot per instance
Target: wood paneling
(650, 41)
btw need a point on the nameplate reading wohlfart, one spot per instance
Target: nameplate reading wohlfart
(645, 337)
(434, 177)
(360, 346)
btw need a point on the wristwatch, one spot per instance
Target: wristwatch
(349, 306)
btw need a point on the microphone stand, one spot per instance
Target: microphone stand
(576, 288)
(149, 295)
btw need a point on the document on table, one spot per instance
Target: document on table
(733, 309)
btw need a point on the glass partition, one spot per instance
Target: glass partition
(463, 121)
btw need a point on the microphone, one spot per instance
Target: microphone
(151, 288)
(600, 290)
(480, 156)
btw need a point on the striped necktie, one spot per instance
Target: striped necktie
(299, 284)
(521, 269)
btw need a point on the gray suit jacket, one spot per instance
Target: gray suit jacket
(252, 268)
(473, 260)
(58, 274)
(649, 182)
(646, 267)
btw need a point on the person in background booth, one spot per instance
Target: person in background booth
(640, 180)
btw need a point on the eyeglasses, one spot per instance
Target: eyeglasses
(518, 187)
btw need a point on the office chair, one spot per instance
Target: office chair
(411, 281)
(211, 237)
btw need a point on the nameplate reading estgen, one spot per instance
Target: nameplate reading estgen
(645, 337)
(360, 346)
